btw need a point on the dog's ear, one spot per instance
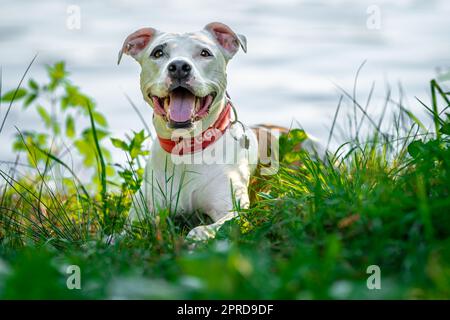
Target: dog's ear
(136, 42)
(227, 38)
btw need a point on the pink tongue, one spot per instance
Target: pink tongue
(181, 105)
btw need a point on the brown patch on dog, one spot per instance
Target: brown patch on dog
(265, 139)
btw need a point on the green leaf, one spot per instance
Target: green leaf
(416, 148)
(44, 115)
(28, 141)
(87, 151)
(445, 129)
(56, 73)
(70, 127)
(119, 144)
(136, 144)
(64, 103)
(29, 100)
(33, 85)
(88, 134)
(74, 98)
(297, 136)
(139, 138)
(289, 144)
(100, 119)
(134, 153)
(14, 95)
(56, 128)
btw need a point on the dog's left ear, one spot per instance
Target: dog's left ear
(136, 42)
(227, 38)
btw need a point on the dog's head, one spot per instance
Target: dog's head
(183, 76)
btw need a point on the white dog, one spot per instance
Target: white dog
(203, 158)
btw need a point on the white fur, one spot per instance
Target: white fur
(207, 183)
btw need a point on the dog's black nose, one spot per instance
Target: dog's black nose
(179, 69)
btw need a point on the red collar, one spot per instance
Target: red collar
(180, 146)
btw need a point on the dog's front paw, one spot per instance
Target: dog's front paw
(201, 233)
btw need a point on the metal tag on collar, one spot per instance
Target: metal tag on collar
(245, 142)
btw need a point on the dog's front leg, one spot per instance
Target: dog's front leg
(221, 211)
(202, 233)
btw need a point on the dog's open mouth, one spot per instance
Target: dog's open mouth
(181, 107)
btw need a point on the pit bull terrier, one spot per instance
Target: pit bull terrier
(203, 156)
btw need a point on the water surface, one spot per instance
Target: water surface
(297, 52)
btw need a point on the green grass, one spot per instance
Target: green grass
(311, 232)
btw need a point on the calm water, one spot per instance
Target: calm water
(297, 52)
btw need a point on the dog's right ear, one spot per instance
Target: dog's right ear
(136, 42)
(227, 38)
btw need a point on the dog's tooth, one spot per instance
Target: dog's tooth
(166, 103)
(197, 104)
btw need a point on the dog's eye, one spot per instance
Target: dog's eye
(158, 53)
(205, 53)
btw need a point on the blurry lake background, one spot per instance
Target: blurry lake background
(298, 51)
